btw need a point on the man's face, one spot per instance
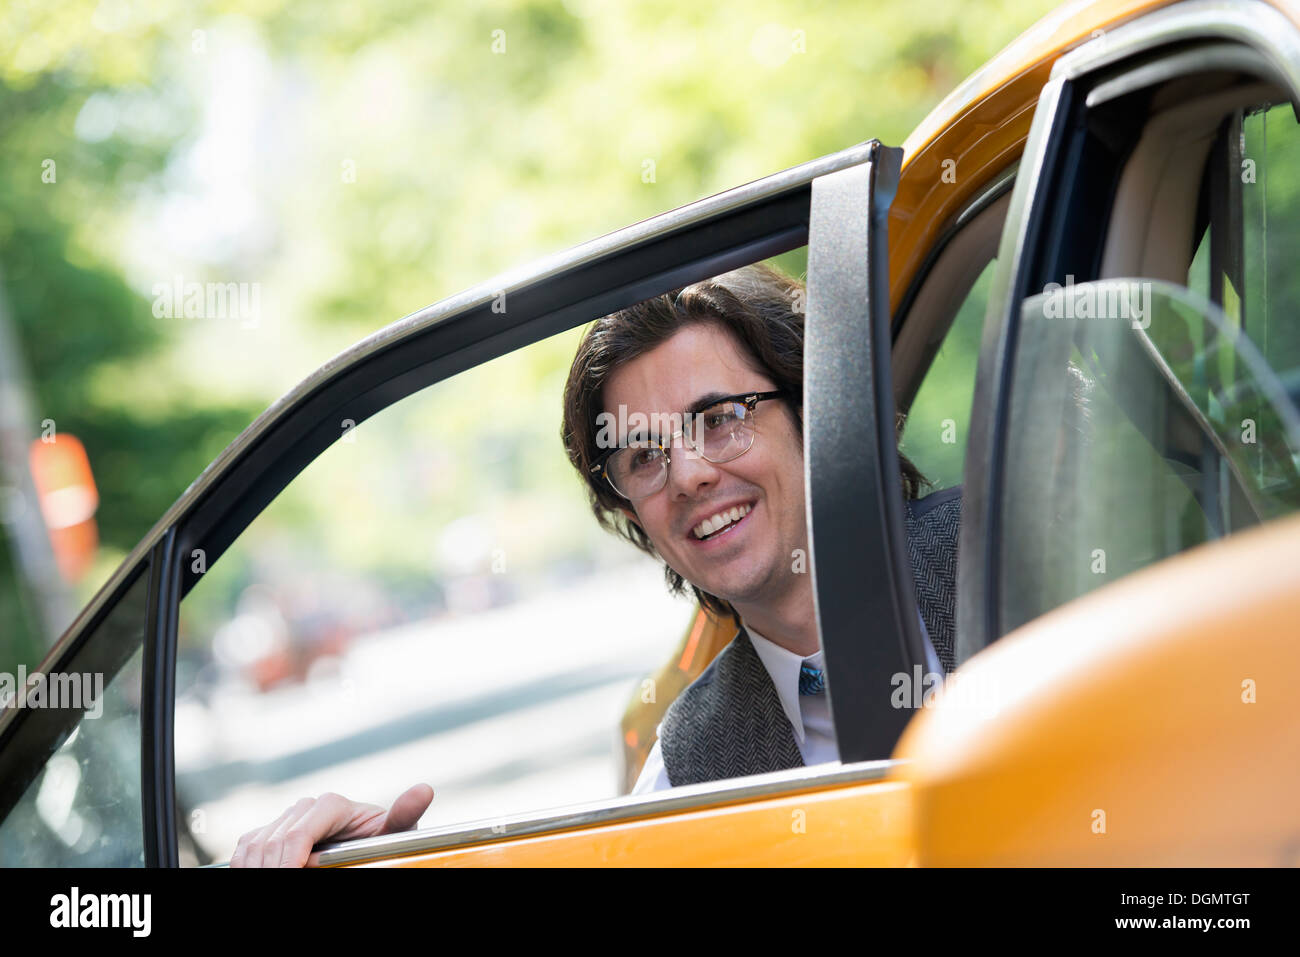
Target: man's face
(751, 561)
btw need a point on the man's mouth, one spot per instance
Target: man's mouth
(720, 522)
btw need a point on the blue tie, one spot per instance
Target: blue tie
(811, 680)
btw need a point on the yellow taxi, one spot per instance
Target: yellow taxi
(1073, 287)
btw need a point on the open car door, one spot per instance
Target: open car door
(837, 206)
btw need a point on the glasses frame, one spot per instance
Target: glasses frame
(750, 401)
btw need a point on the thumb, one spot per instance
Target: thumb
(407, 809)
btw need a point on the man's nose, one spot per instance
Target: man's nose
(688, 471)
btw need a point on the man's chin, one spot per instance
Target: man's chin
(738, 593)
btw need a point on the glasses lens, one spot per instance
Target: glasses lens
(638, 470)
(723, 431)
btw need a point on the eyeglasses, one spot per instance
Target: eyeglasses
(719, 433)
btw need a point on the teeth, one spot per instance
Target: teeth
(719, 521)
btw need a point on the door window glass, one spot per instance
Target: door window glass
(84, 807)
(1270, 191)
(1136, 431)
(430, 600)
(1148, 418)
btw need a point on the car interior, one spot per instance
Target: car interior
(1180, 215)
(1180, 416)
(926, 315)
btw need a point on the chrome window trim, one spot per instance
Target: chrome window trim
(477, 296)
(1256, 25)
(692, 797)
(1208, 57)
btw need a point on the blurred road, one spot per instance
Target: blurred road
(510, 710)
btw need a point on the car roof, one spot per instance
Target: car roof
(982, 125)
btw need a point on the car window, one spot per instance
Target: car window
(1262, 294)
(1147, 416)
(431, 600)
(937, 348)
(936, 426)
(83, 808)
(935, 356)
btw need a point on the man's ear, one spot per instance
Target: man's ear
(631, 517)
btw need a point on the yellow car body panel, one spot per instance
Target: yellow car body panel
(980, 128)
(853, 825)
(1152, 721)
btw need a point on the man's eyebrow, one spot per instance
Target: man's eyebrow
(706, 400)
(699, 405)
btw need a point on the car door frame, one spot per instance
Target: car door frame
(850, 334)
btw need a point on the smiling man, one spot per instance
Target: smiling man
(720, 500)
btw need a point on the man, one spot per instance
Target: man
(731, 527)
(718, 496)
(683, 414)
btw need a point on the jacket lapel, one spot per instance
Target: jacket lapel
(729, 722)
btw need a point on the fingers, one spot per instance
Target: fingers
(250, 851)
(407, 809)
(285, 847)
(333, 816)
(287, 841)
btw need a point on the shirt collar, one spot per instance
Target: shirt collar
(783, 665)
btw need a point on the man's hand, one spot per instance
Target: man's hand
(288, 840)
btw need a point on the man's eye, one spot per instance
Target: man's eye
(644, 458)
(719, 419)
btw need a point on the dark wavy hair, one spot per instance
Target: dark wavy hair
(760, 307)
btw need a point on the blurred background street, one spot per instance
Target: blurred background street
(514, 710)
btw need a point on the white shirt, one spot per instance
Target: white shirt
(810, 715)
